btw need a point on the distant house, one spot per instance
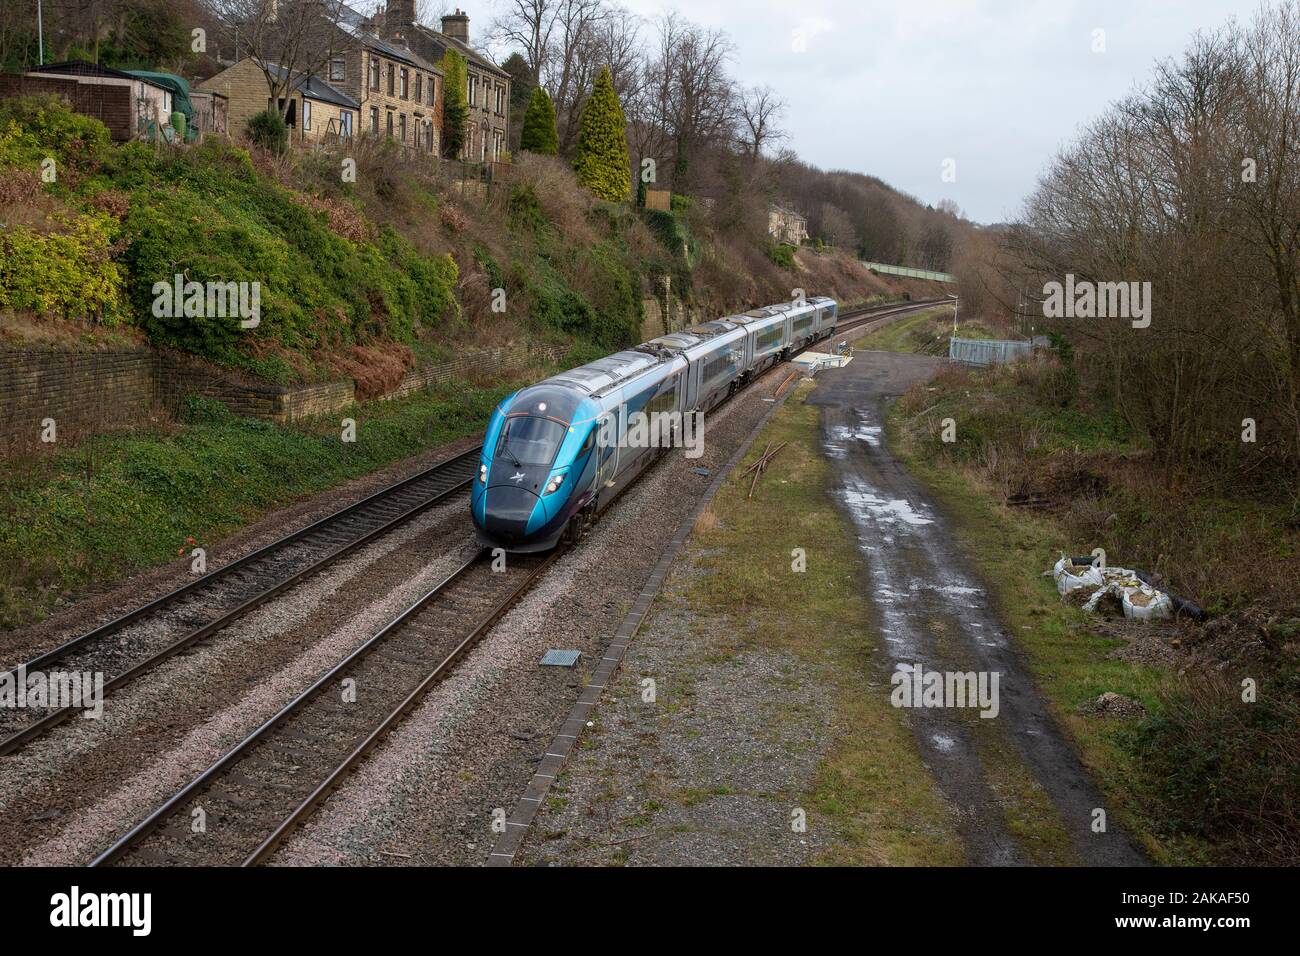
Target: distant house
(487, 88)
(785, 225)
(128, 105)
(315, 112)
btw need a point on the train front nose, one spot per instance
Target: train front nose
(508, 511)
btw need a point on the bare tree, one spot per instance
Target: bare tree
(759, 109)
(289, 39)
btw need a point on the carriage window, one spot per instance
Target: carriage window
(769, 338)
(665, 401)
(718, 365)
(802, 324)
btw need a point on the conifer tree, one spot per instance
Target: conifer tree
(538, 134)
(601, 159)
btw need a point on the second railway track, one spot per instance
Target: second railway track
(150, 634)
(270, 782)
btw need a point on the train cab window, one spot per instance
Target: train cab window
(526, 440)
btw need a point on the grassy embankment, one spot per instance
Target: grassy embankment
(1206, 777)
(871, 785)
(83, 518)
(925, 332)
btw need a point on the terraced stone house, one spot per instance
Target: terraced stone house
(488, 88)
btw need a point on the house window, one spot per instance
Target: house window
(433, 88)
(390, 124)
(374, 120)
(391, 74)
(405, 80)
(501, 93)
(416, 130)
(345, 123)
(374, 73)
(419, 87)
(338, 70)
(401, 128)
(306, 114)
(473, 90)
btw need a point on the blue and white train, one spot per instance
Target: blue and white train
(549, 466)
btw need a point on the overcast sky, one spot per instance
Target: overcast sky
(895, 87)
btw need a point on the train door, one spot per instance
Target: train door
(610, 436)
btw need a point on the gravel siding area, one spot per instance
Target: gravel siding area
(709, 773)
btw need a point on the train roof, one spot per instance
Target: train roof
(597, 376)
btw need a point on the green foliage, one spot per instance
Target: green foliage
(64, 273)
(205, 212)
(781, 254)
(34, 127)
(601, 160)
(1219, 769)
(610, 317)
(539, 135)
(455, 105)
(496, 278)
(526, 210)
(267, 129)
(67, 526)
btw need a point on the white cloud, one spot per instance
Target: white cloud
(892, 87)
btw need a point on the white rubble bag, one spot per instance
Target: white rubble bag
(1145, 603)
(1141, 602)
(1070, 576)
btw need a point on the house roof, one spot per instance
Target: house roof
(314, 88)
(86, 68)
(464, 49)
(355, 23)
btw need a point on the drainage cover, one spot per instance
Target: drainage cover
(557, 658)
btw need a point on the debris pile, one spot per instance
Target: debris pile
(1140, 601)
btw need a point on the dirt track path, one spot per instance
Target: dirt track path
(932, 610)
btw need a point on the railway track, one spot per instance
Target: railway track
(269, 783)
(858, 318)
(133, 644)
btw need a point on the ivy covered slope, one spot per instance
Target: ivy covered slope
(115, 220)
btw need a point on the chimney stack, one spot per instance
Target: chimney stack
(456, 26)
(399, 17)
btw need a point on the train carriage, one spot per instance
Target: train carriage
(557, 453)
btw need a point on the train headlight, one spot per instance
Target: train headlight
(482, 473)
(554, 484)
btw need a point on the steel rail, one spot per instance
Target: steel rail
(124, 844)
(49, 721)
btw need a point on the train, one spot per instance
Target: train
(557, 453)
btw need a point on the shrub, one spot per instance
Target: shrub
(781, 254)
(267, 130)
(65, 273)
(33, 127)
